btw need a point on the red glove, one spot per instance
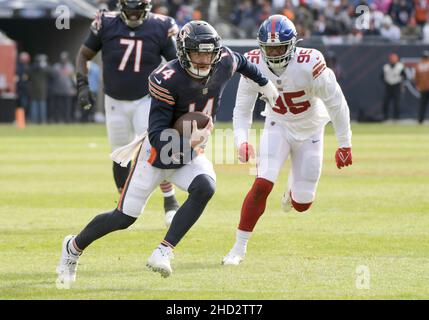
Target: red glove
(343, 157)
(245, 152)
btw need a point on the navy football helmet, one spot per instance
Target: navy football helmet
(198, 36)
(134, 12)
(277, 31)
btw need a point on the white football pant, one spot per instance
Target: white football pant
(144, 178)
(126, 119)
(306, 160)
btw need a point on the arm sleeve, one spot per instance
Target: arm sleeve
(161, 112)
(327, 89)
(178, 150)
(93, 41)
(243, 111)
(160, 118)
(249, 70)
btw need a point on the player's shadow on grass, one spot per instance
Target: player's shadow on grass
(193, 266)
(15, 280)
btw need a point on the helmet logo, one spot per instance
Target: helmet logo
(184, 32)
(273, 36)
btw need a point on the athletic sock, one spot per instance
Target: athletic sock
(166, 244)
(167, 189)
(240, 246)
(254, 204)
(72, 249)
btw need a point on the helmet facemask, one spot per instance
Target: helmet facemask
(134, 12)
(202, 70)
(278, 62)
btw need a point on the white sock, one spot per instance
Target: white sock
(169, 193)
(73, 250)
(240, 246)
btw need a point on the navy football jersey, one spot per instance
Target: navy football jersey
(130, 55)
(174, 92)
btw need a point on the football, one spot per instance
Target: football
(184, 124)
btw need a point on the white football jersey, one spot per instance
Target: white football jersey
(309, 98)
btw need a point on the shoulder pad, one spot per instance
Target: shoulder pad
(312, 60)
(173, 28)
(97, 23)
(157, 16)
(160, 83)
(166, 22)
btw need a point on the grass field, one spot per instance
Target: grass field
(54, 179)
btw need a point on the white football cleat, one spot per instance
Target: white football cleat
(66, 270)
(159, 261)
(169, 215)
(286, 202)
(232, 259)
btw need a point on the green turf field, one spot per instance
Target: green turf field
(373, 215)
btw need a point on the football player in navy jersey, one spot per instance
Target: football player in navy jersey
(132, 42)
(194, 82)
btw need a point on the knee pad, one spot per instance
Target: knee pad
(202, 187)
(312, 167)
(304, 192)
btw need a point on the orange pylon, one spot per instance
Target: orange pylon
(20, 118)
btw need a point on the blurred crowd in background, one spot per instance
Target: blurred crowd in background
(47, 92)
(390, 20)
(47, 89)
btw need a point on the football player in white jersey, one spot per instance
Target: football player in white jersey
(309, 98)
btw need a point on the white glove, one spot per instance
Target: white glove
(199, 137)
(269, 93)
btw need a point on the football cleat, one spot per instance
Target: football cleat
(287, 202)
(169, 215)
(66, 270)
(232, 259)
(159, 261)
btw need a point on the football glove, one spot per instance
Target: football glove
(343, 157)
(245, 152)
(83, 93)
(269, 93)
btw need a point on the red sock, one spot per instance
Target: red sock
(254, 204)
